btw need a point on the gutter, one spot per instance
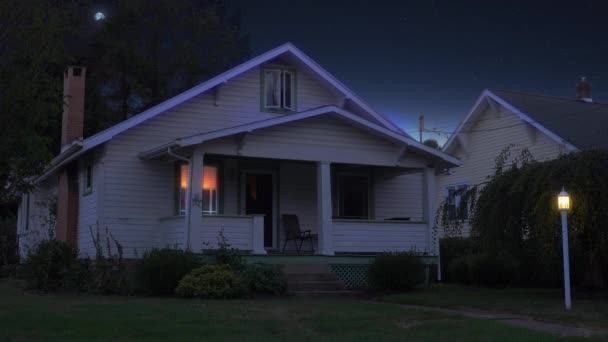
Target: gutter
(70, 153)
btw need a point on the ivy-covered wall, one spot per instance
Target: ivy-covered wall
(515, 214)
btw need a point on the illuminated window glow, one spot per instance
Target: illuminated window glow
(209, 185)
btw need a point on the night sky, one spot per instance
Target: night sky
(407, 58)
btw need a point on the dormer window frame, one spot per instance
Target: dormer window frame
(287, 91)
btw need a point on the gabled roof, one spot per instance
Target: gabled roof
(582, 124)
(334, 110)
(287, 48)
(225, 77)
(575, 124)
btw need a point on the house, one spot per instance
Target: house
(545, 126)
(275, 135)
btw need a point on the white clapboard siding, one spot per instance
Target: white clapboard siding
(238, 231)
(174, 232)
(317, 139)
(377, 236)
(398, 195)
(486, 141)
(138, 193)
(40, 220)
(88, 208)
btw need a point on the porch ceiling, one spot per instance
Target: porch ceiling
(396, 138)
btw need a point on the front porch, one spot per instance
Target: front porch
(358, 187)
(384, 208)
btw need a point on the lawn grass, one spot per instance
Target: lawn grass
(26, 316)
(543, 304)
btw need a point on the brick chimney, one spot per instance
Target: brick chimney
(583, 90)
(72, 123)
(72, 127)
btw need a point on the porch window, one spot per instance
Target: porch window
(456, 202)
(210, 194)
(278, 89)
(209, 184)
(353, 195)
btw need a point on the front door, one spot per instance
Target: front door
(259, 200)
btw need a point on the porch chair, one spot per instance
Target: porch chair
(291, 225)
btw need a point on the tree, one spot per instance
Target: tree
(432, 143)
(147, 51)
(143, 53)
(32, 59)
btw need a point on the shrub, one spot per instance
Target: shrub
(494, 269)
(452, 249)
(212, 281)
(486, 269)
(226, 255)
(109, 275)
(46, 268)
(264, 278)
(160, 270)
(396, 271)
(459, 269)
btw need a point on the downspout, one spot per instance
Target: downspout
(189, 199)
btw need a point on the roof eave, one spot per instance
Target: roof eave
(68, 154)
(390, 134)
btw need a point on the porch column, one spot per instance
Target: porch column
(430, 211)
(324, 212)
(257, 240)
(194, 205)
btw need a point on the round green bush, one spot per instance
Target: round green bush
(212, 281)
(396, 271)
(459, 270)
(264, 278)
(160, 270)
(47, 267)
(486, 269)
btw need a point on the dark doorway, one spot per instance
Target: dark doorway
(258, 200)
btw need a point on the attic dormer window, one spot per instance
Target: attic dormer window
(278, 89)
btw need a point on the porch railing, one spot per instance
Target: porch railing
(369, 236)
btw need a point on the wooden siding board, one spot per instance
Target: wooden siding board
(486, 141)
(379, 236)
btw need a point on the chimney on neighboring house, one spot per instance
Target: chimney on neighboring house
(72, 123)
(72, 128)
(583, 90)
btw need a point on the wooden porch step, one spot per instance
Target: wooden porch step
(333, 285)
(298, 277)
(313, 278)
(328, 294)
(306, 269)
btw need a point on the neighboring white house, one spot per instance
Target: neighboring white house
(275, 135)
(546, 126)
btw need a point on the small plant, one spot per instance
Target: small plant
(226, 255)
(396, 271)
(48, 265)
(160, 270)
(264, 278)
(213, 282)
(109, 274)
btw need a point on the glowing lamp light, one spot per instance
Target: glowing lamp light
(209, 178)
(563, 200)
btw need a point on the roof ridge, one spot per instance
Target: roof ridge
(571, 99)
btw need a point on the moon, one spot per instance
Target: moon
(99, 16)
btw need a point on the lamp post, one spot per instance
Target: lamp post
(563, 204)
